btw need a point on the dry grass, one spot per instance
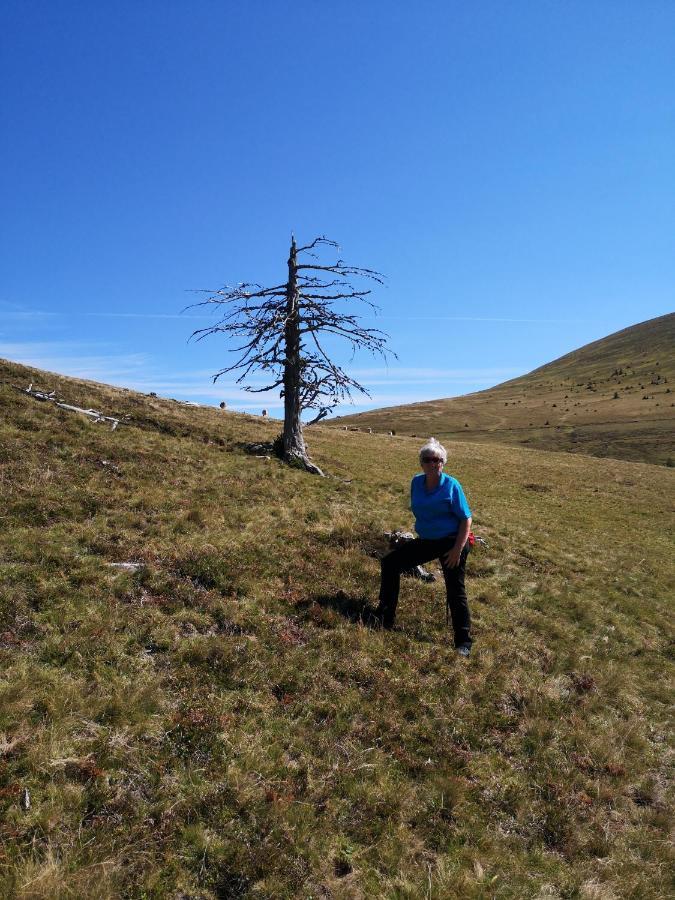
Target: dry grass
(219, 723)
(613, 398)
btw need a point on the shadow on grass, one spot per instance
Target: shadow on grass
(357, 610)
(255, 448)
(354, 609)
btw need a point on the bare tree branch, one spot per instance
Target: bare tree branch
(270, 326)
(321, 415)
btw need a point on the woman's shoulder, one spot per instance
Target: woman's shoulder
(449, 481)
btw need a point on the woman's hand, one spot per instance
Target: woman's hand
(452, 557)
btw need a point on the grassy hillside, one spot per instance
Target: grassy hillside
(614, 397)
(219, 724)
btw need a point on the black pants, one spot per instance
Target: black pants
(415, 553)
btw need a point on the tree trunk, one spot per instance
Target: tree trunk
(294, 442)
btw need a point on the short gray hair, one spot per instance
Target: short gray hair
(433, 446)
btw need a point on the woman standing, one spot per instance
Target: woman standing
(443, 522)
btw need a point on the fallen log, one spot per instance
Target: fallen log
(51, 397)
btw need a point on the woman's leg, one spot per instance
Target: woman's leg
(405, 556)
(457, 600)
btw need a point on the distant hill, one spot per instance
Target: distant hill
(190, 705)
(614, 397)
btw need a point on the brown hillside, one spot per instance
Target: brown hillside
(193, 706)
(614, 397)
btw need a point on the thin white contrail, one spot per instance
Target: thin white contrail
(478, 319)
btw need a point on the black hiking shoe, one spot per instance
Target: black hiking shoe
(463, 649)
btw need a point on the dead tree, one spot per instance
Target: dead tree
(281, 331)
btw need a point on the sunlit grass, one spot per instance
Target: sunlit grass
(611, 398)
(220, 724)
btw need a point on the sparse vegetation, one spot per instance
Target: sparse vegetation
(609, 418)
(218, 723)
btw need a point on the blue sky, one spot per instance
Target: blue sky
(509, 166)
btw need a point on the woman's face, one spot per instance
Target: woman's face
(432, 463)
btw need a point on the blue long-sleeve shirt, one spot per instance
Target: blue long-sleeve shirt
(438, 514)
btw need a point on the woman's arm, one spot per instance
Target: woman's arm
(451, 558)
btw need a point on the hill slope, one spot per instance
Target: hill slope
(614, 397)
(217, 723)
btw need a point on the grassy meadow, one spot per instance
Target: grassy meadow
(612, 398)
(219, 723)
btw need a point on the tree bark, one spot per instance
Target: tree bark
(293, 439)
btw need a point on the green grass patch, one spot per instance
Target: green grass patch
(219, 723)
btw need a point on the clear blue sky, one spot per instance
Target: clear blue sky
(510, 166)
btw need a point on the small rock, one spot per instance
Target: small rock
(106, 464)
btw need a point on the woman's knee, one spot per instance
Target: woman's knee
(391, 562)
